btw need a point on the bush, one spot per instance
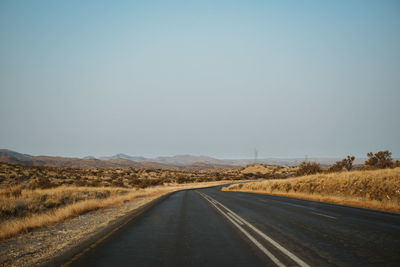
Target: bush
(134, 181)
(118, 183)
(14, 191)
(380, 160)
(181, 179)
(154, 182)
(348, 162)
(143, 183)
(337, 167)
(248, 175)
(307, 168)
(80, 182)
(43, 183)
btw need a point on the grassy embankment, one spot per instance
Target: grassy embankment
(374, 189)
(22, 210)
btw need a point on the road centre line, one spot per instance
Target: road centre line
(233, 217)
(300, 206)
(238, 218)
(267, 238)
(320, 214)
(285, 203)
(249, 236)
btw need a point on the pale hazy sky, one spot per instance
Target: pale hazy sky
(217, 78)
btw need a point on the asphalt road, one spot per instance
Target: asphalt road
(208, 227)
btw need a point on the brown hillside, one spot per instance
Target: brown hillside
(63, 162)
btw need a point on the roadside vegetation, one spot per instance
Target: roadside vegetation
(37, 196)
(22, 210)
(43, 177)
(375, 185)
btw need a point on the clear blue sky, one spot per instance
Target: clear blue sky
(217, 78)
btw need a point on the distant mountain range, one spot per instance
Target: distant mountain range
(178, 162)
(124, 156)
(186, 160)
(117, 161)
(6, 152)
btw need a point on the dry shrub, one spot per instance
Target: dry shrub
(337, 167)
(43, 182)
(11, 191)
(308, 168)
(118, 183)
(181, 179)
(346, 163)
(381, 160)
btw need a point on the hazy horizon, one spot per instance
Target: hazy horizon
(155, 78)
(250, 157)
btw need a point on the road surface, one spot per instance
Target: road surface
(209, 227)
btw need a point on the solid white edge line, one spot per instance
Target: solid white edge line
(258, 244)
(273, 242)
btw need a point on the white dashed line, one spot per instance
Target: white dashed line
(320, 214)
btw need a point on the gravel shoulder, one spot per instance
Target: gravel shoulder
(44, 246)
(40, 246)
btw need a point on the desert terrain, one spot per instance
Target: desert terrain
(37, 199)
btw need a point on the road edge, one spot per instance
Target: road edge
(317, 200)
(66, 257)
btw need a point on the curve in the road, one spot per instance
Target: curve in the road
(217, 228)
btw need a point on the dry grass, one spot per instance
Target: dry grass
(268, 171)
(26, 209)
(33, 177)
(376, 189)
(17, 202)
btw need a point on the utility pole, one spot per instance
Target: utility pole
(255, 155)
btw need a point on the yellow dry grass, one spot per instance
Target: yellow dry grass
(268, 169)
(376, 189)
(85, 199)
